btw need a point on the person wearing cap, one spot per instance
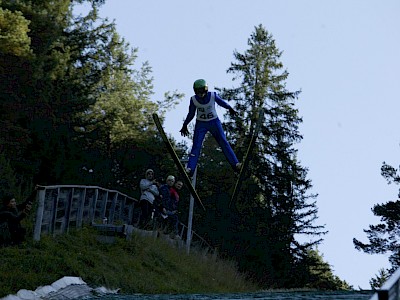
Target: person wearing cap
(170, 208)
(11, 214)
(203, 105)
(149, 191)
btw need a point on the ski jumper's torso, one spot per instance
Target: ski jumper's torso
(205, 111)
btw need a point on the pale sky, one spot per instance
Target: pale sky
(344, 55)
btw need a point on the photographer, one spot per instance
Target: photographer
(149, 192)
(11, 214)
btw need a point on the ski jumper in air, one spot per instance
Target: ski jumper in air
(203, 102)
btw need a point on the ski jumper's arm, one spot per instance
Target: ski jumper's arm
(222, 102)
(191, 113)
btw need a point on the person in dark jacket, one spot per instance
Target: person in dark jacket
(169, 207)
(11, 214)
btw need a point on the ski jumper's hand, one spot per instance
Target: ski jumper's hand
(232, 111)
(184, 131)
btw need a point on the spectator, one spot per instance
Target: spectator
(158, 205)
(170, 207)
(11, 214)
(149, 191)
(175, 189)
(175, 193)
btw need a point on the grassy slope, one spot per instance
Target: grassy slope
(143, 265)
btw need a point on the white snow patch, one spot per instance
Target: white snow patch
(67, 287)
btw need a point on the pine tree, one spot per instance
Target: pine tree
(15, 51)
(276, 205)
(14, 33)
(8, 177)
(384, 237)
(379, 279)
(120, 118)
(72, 99)
(315, 273)
(46, 85)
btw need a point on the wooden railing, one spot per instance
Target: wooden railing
(61, 207)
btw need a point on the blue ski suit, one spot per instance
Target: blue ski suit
(207, 120)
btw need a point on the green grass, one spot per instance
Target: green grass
(142, 265)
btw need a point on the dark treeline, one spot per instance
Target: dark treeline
(76, 110)
(73, 107)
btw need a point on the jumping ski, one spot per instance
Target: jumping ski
(175, 158)
(246, 158)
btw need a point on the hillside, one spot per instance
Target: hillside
(142, 265)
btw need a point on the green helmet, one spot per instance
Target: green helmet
(200, 85)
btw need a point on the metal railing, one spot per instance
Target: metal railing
(61, 207)
(199, 241)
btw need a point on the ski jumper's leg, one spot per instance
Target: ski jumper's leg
(200, 131)
(219, 135)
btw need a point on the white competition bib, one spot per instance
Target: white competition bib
(206, 112)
